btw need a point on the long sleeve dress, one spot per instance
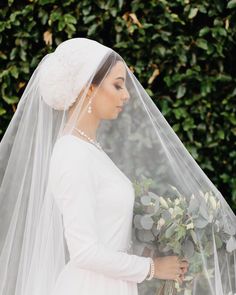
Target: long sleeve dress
(96, 201)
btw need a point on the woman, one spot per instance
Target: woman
(67, 201)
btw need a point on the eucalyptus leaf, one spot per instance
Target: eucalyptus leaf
(137, 221)
(145, 200)
(170, 231)
(145, 236)
(203, 210)
(188, 249)
(146, 222)
(230, 228)
(193, 206)
(200, 222)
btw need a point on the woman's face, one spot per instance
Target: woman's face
(111, 93)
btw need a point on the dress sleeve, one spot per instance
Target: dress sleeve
(74, 189)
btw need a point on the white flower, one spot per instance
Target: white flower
(177, 201)
(190, 226)
(160, 223)
(171, 210)
(163, 203)
(177, 211)
(206, 196)
(231, 244)
(213, 202)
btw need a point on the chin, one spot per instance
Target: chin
(113, 116)
(110, 116)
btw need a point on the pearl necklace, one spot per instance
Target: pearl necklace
(96, 143)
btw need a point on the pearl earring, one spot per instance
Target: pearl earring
(89, 107)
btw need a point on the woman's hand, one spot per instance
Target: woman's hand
(170, 268)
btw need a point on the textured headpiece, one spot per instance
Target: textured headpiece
(64, 72)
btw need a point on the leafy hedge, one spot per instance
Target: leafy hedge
(182, 52)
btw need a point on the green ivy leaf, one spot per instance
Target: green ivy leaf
(231, 4)
(202, 43)
(193, 13)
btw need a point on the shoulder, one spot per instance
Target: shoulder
(67, 144)
(70, 153)
(71, 159)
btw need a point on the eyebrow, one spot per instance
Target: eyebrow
(120, 78)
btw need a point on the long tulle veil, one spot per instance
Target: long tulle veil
(169, 185)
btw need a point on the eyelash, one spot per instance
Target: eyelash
(118, 87)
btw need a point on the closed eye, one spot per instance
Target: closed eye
(118, 87)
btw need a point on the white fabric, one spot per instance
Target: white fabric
(96, 200)
(60, 81)
(139, 140)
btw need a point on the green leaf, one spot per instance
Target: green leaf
(232, 119)
(194, 236)
(89, 19)
(121, 2)
(193, 13)
(221, 134)
(13, 53)
(170, 231)
(14, 72)
(204, 31)
(70, 19)
(181, 232)
(11, 99)
(61, 24)
(231, 4)
(181, 91)
(55, 15)
(202, 43)
(92, 29)
(145, 200)
(200, 222)
(2, 111)
(146, 222)
(44, 2)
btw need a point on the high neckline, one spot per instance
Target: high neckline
(85, 141)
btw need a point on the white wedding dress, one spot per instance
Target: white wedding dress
(96, 201)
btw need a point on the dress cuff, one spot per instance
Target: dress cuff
(147, 264)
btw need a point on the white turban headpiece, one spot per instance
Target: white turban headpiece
(65, 72)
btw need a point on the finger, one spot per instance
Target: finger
(186, 262)
(182, 278)
(183, 264)
(184, 269)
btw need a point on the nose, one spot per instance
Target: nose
(126, 97)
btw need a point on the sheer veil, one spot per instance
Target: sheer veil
(142, 144)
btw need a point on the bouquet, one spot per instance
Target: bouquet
(174, 225)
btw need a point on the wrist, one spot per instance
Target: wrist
(151, 272)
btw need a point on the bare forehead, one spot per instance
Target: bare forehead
(118, 70)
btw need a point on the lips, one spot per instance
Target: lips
(121, 108)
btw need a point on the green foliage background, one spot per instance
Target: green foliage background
(182, 51)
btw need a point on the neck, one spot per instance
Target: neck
(89, 123)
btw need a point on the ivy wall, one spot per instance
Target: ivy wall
(183, 52)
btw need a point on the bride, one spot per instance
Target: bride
(84, 131)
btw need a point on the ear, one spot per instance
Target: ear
(91, 90)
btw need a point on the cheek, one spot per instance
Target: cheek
(107, 97)
(110, 91)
